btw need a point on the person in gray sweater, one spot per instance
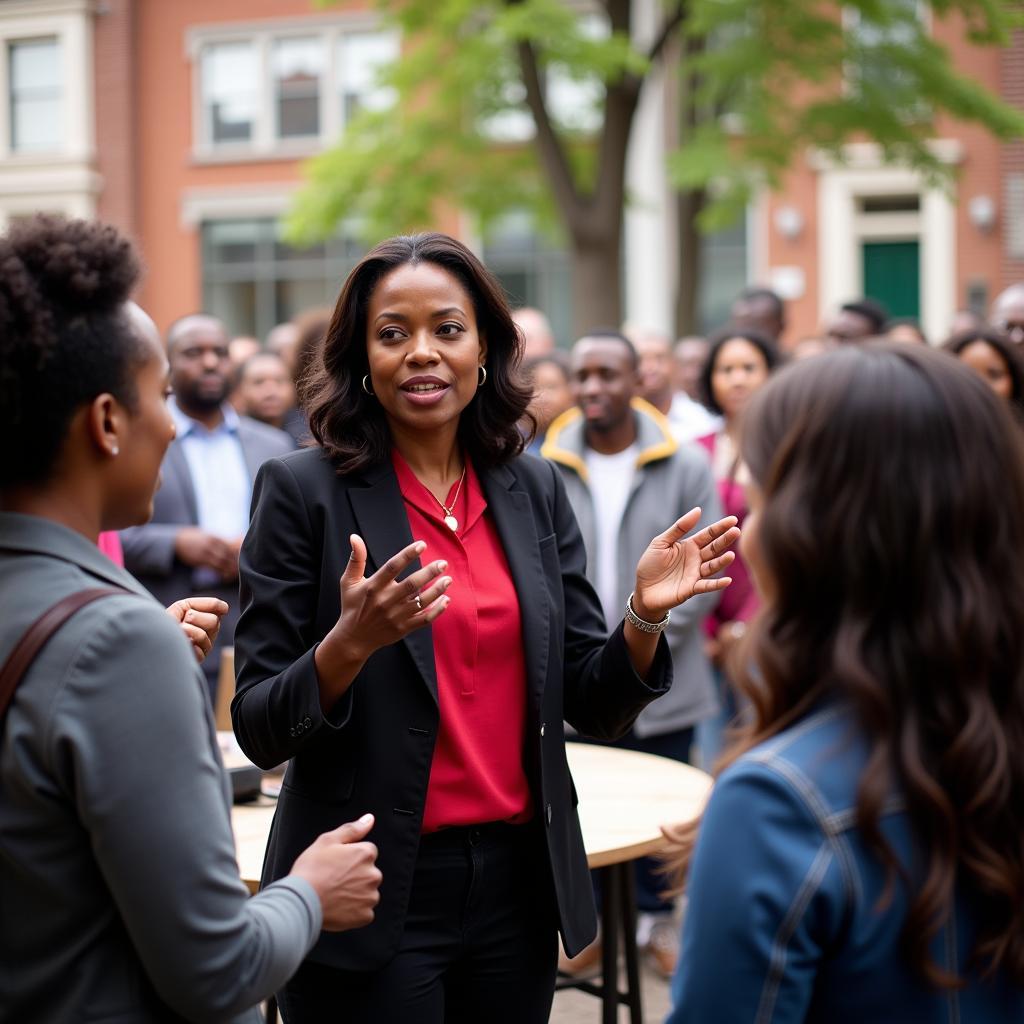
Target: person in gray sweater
(624, 473)
(120, 893)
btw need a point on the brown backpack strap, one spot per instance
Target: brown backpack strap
(37, 636)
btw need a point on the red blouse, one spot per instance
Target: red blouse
(477, 773)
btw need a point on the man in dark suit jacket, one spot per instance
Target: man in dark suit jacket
(201, 510)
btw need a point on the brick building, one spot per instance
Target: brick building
(186, 123)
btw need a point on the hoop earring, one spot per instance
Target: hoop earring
(483, 376)
(365, 388)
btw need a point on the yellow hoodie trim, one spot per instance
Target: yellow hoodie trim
(668, 444)
(551, 450)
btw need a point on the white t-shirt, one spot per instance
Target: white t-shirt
(611, 480)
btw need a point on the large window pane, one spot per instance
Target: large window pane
(230, 90)
(298, 66)
(724, 274)
(35, 86)
(254, 280)
(361, 55)
(533, 269)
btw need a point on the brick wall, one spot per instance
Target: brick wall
(116, 131)
(1012, 213)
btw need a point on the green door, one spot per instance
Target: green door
(892, 276)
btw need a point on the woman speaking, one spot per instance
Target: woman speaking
(431, 687)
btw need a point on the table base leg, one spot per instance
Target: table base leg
(618, 924)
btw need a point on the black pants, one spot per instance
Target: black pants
(479, 941)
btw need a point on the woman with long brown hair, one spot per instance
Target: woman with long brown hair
(862, 855)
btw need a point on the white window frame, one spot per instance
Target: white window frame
(265, 143)
(70, 24)
(65, 180)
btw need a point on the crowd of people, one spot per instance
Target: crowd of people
(439, 543)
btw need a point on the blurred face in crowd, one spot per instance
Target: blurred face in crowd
(655, 354)
(805, 348)
(849, 326)
(907, 333)
(200, 363)
(1008, 314)
(130, 500)
(265, 389)
(758, 313)
(690, 355)
(986, 361)
(740, 369)
(536, 331)
(604, 380)
(242, 349)
(283, 341)
(551, 394)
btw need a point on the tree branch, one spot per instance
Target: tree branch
(667, 30)
(552, 153)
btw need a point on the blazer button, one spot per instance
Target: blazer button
(308, 723)
(547, 813)
(291, 731)
(542, 728)
(299, 729)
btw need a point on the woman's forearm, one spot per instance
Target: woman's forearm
(338, 661)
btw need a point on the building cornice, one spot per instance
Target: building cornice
(866, 156)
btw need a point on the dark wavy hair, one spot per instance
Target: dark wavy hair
(717, 341)
(1006, 349)
(64, 335)
(893, 464)
(350, 424)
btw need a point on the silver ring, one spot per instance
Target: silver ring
(419, 606)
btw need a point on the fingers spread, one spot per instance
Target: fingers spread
(710, 567)
(395, 565)
(718, 536)
(357, 561)
(415, 582)
(709, 586)
(680, 528)
(432, 611)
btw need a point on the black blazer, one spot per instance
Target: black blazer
(373, 751)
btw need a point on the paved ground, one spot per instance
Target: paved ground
(579, 1008)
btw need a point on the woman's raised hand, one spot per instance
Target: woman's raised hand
(380, 610)
(675, 567)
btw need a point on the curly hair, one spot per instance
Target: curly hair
(891, 462)
(717, 342)
(64, 334)
(350, 425)
(1007, 352)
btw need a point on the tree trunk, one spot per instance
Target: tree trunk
(691, 258)
(596, 283)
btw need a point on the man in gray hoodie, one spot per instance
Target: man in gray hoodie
(627, 477)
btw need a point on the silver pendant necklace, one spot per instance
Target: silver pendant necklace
(449, 520)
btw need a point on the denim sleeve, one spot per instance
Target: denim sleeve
(765, 896)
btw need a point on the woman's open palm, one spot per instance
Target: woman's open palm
(675, 567)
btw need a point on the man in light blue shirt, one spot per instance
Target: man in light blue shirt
(201, 511)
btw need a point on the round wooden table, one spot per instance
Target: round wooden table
(625, 798)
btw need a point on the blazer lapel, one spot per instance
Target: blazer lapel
(518, 532)
(176, 469)
(383, 525)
